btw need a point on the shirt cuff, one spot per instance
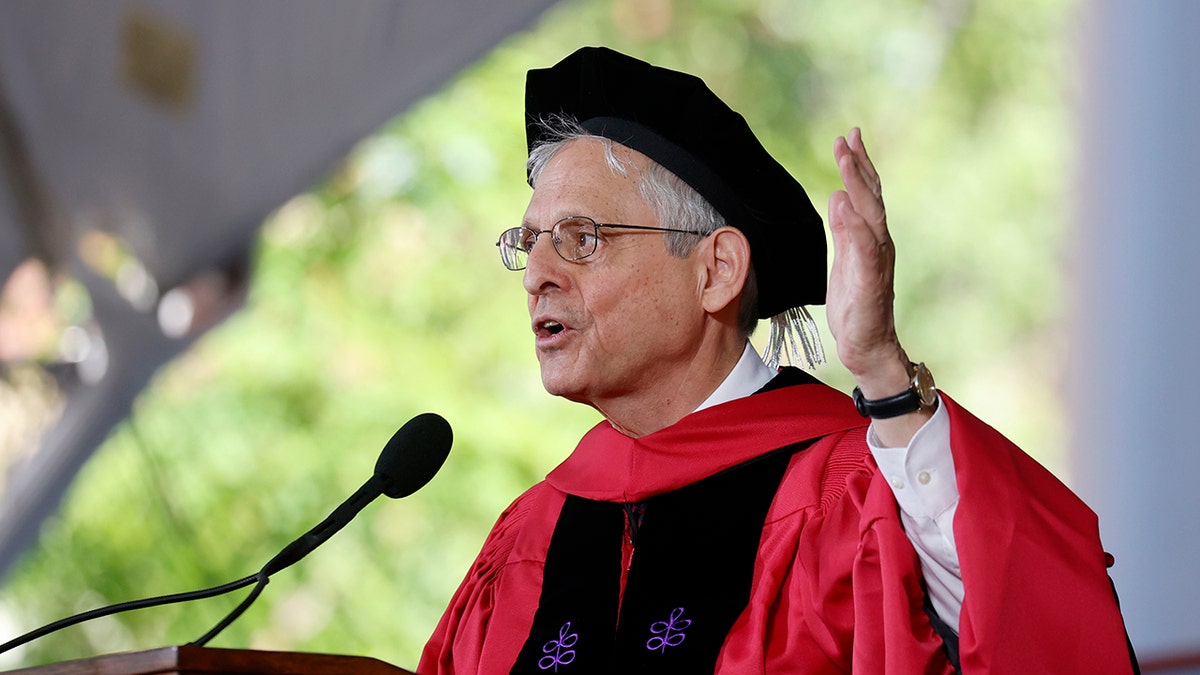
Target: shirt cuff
(922, 474)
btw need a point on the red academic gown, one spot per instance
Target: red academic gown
(836, 584)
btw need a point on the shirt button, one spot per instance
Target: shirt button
(923, 478)
(897, 483)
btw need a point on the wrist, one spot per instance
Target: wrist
(886, 380)
(917, 393)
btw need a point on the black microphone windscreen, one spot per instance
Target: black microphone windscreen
(414, 454)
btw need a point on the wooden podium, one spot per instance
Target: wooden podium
(198, 660)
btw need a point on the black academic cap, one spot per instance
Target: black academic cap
(675, 119)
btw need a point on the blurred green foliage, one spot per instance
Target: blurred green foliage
(378, 295)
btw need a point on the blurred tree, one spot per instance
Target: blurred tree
(378, 296)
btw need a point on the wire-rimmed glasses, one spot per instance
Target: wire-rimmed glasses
(574, 238)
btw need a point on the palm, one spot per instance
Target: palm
(860, 286)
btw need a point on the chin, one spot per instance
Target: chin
(563, 385)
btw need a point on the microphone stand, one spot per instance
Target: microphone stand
(128, 606)
(399, 472)
(299, 548)
(237, 611)
(291, 554)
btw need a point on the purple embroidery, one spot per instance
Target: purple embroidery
(671, 632)
(558, 652)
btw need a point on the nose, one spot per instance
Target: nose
(545, 268)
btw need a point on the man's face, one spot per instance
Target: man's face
(625, 321)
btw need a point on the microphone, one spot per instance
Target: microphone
(409, 460)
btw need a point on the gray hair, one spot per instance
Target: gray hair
(675, 203)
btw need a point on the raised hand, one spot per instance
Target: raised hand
(861, 294)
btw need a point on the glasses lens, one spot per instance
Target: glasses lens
(514, 247)
(575, 238)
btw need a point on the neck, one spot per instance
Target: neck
(639, 413)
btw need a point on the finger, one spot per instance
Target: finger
(862, 194)
(851, 146)
(855, 142)
(837, 224)
(855, 238)
(851, 232)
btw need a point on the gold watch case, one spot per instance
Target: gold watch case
(922, 384)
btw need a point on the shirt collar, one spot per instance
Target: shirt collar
(748, 376)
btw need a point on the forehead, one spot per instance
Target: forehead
(579, 180)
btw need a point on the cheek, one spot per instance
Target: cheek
(642, 308)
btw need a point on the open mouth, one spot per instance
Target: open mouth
(547, 329)
(552, 327)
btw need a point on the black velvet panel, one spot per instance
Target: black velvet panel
(689, 578)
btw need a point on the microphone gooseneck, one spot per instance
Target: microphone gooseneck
(409, 460)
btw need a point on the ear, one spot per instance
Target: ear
(727, 262)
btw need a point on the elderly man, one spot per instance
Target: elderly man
(728, 516)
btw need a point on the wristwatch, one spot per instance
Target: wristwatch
(921, 394)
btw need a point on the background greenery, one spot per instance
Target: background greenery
(378, 296)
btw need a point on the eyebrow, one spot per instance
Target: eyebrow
(528, 224)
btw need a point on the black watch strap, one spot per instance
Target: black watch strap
(921, 393)
(883, 408)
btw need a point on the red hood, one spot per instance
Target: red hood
(609, 466)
